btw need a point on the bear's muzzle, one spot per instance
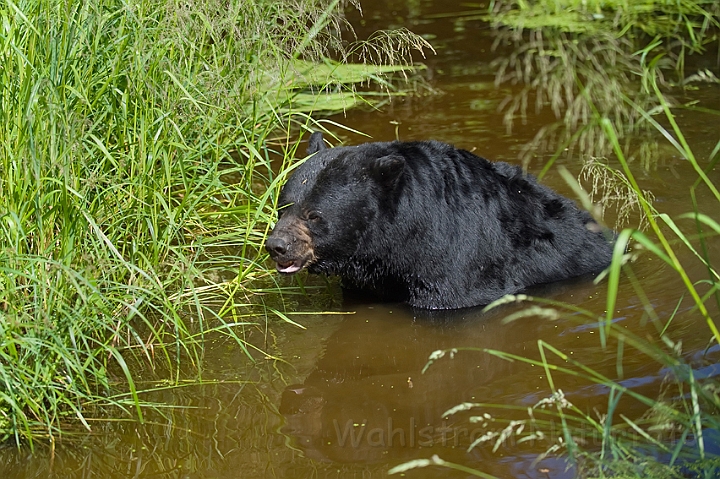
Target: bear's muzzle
(290, 245)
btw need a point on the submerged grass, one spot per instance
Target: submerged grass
(573, 57)
(136, 150)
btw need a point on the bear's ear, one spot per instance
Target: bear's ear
(387, 169)
(316, 143)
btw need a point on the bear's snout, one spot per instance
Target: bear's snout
(290, 246)
(277, 245)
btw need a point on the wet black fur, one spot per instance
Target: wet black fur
(436, 226)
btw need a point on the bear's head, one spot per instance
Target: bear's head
(328, 206)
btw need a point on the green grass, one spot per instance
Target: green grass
(137, 179)
(688, 22)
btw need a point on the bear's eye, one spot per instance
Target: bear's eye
(313, 216)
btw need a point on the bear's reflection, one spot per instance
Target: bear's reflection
(367, 400)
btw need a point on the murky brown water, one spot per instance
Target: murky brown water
(350, 398)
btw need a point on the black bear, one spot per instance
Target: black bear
(429, 224)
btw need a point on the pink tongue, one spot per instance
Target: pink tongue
(289, 269)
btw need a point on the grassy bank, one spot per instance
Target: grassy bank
(136, 147)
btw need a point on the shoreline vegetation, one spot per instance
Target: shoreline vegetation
(139, 144)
